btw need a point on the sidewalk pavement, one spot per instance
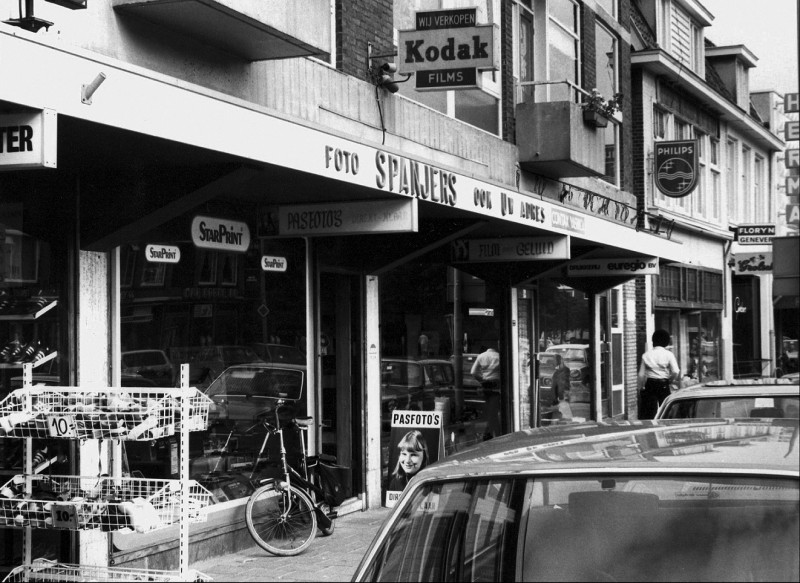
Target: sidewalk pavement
(329, 558)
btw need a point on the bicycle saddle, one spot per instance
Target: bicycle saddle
(304, 421)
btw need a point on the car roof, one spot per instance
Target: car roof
(737, 389)
(764, 445)
(560, 346)
(390, 359)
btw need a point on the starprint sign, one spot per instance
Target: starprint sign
(676, 167)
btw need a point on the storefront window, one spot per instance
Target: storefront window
(435, 322)
(34, 255)
(240, 326)
(696, 343)
(564, 358)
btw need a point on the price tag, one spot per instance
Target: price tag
(64, 516)
(61, 425)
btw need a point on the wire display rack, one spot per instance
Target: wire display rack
(44, 570)
(107, 504)
(135, 414)
(40, 501)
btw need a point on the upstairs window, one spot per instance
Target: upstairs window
(680, 35)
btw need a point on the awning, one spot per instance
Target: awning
(50, 77)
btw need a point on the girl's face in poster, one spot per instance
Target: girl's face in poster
(410, 460)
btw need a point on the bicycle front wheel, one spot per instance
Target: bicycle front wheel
(281, 521)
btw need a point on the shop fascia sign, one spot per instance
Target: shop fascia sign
(448, 49)
(676, 167)
(220, 234)
(162, 253)
(613, 267)
(273, 263)
(511, 249)
(753, 263)
(754, 234)
(349, 218)
(28, 140)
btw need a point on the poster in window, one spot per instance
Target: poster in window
(229, 269)
(153, 274)
(207, 268)
(415, 442)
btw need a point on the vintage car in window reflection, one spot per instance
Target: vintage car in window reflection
(767, 397)
(206, 363)
(714, 500)
(242, 397)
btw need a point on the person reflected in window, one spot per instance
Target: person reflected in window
(486, 370)
(659, 369)
(413, 457)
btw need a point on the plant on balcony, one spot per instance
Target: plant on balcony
(597, 110)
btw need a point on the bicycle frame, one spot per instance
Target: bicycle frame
(301, 480)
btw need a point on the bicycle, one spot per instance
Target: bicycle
(282, 515)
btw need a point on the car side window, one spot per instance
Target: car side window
(454, 531)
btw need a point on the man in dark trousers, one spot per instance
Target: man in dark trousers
(486, 370)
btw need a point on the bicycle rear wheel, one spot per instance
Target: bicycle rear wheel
(281, 521)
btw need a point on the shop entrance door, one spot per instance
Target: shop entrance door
(340, 406)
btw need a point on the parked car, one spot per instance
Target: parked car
(413, 384)
(241, 398)
(151, 364)
(471, 385)
(765, 397)
(653, 501)
(206, 363)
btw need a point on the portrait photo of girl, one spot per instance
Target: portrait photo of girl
(412, 456)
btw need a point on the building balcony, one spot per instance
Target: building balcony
(554, 140)
(254, 30)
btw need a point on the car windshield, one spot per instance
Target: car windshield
(408, 374)
(255, 382)
(688, 408)
(613, 528)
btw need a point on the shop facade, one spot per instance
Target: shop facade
(370, 274)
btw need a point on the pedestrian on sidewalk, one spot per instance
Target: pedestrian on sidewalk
(659, 369)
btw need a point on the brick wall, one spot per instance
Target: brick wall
(359, 22)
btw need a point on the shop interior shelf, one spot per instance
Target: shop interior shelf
(92, 503)
(129, 413)
(37, 363)
(44, 570)
(26, 309)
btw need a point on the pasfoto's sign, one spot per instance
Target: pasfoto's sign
(28, 140)
(676, 167)
(511, 249)
(755, 234)
(162, 253)
(349, 218)
(220, 234)
(615, 266)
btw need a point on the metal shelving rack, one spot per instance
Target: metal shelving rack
(102, 503)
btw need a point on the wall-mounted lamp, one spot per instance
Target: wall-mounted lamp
(88, 90)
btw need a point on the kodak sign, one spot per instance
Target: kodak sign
(448, 40)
